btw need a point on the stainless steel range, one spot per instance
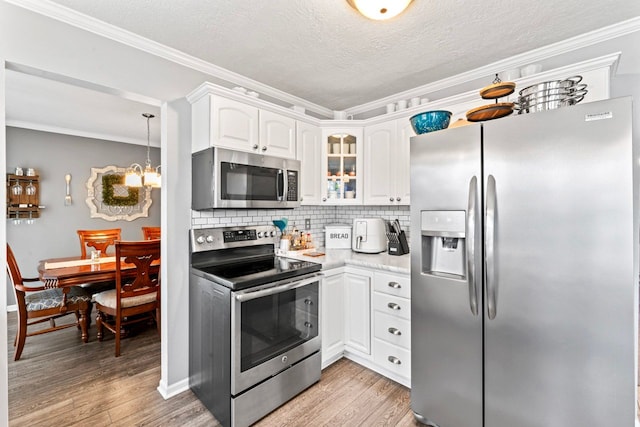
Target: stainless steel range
(254, 327)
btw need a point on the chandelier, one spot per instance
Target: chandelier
(136, 176)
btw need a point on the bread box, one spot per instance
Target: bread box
(337, 236)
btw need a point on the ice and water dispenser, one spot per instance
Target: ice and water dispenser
(443, 243)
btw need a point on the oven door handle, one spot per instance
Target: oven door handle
(249, 295)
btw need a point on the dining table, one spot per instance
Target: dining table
(73, 271)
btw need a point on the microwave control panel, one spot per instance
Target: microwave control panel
(292, 186)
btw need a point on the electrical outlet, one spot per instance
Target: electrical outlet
(307, 224)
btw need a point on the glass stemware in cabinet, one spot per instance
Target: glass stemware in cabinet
(16, 189)
(31, 189)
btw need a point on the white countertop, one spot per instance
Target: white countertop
(334, 258)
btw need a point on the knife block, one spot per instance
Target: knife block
(398, 244)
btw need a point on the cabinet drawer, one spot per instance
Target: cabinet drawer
(392, 358)
(392, 284)
(392, 329)
(394, 306)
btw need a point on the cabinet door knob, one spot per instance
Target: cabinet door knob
(397, 199)
(393, 306)
(264, 148)
(394, 285)
(391, 199)
(324, 199)
(255, 146)
(394, 331)
(394, 360)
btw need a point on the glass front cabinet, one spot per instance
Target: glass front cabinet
(342, 154)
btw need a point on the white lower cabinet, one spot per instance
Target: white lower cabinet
(357, 322)
(394, 359)
(366, 316)
(392, 325)
(332, 312)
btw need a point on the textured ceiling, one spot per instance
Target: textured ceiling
(325, 52)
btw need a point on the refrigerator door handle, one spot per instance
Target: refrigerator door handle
(490, 235)
(470, 234)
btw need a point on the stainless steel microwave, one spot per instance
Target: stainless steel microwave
(223, 178)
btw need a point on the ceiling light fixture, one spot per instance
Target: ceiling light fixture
(136, 176)
(379, 9)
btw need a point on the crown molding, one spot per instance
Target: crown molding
(536, 55)
(93, 25)
(208, 88)
(87, 23)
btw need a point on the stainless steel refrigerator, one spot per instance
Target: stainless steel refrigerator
(524, 270)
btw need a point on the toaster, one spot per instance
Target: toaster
(368, 235)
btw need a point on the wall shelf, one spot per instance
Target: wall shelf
(24, 203)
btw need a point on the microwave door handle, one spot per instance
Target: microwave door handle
(280, 183)
(286, 185)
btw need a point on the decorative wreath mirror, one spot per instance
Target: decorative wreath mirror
(108, 198)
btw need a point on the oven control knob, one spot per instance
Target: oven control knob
(259, 234)
(200, 239)
(209, 239)
(273, 234)
(284, 359)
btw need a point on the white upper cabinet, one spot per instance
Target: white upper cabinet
(277, 135)
(342, 166)
(403, 159)
(222, 122)
(386, 162)
(309, 152)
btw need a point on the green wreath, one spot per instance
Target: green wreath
(108, 198)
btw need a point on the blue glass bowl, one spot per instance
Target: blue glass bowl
(430, 121)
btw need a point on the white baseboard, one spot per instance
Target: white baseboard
(168, 392)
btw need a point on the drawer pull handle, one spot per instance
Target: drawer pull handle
(308, 302)
(308, 325)
(394, 360)
(394, 331)
(393, 306)
(394, 285)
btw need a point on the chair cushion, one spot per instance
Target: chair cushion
(50, 298)
(108, 299)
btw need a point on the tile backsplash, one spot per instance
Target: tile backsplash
(319, 216)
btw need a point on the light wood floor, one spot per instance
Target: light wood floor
(59, 381)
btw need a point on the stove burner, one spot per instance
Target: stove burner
(243, 275)
(243, 263)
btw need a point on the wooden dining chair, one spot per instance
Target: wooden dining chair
(45, 305)
(99, 240)
(151, 233)
(135, 299)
